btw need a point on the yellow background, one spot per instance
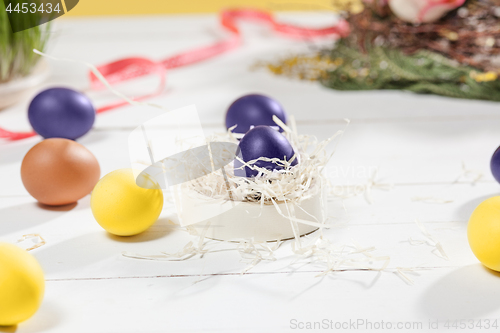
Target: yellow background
(141, 7)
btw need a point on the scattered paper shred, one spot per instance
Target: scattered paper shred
(31, 241)
(432, 200)
(349, 191)
(470, 174)
(431, 241)
(400, 271)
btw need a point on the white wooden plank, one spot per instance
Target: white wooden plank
(265, 302)
(418, 152)
(78, 248)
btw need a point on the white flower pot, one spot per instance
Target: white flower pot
(14, 91)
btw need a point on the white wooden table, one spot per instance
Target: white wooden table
(418, 143)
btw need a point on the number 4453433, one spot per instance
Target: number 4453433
(33, 8)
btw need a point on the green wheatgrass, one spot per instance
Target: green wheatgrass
(16, 49)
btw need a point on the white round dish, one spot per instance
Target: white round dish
(250, 220)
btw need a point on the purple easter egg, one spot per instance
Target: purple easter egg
(262, 141)
(254, 110)
(495, 164)
(61, 113)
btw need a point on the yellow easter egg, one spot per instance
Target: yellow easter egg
(121, 207)
(21, 285)
(483, 233)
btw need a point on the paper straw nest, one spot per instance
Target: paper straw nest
(292, 184)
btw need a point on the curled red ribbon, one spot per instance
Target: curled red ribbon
(131, 68)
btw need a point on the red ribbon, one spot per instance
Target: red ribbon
(131, 68)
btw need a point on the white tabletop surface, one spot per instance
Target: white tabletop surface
(432, 155)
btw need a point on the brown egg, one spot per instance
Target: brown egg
(59, 171)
